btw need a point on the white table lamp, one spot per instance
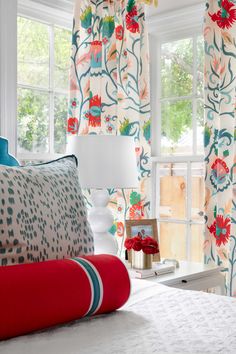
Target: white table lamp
(104, 162)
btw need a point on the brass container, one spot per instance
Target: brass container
(141, 260)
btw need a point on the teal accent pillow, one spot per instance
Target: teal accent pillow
(42, 213)
(5, 157)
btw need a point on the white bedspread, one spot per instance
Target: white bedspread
(157, 319)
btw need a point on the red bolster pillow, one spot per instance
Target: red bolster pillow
(39, 295)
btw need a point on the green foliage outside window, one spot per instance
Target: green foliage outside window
(177, 82)
(42, 85)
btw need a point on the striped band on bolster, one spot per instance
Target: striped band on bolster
(95, 283)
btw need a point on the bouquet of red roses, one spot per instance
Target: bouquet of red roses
(147, 244)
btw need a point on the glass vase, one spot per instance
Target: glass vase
(141, 260)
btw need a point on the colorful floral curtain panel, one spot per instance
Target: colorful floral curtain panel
(109, 88)
(220, 85)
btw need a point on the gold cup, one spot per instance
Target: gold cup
(141, 260)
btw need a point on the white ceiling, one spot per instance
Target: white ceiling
(165, 6)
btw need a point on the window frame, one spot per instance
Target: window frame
(52, 17)
(8, 72)
(178, 30)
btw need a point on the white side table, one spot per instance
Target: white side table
(194, 276)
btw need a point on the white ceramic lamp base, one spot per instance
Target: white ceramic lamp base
(101, 220)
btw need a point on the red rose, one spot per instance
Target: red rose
(129, 243)
(137, 243)
(134, 243)
(119, 32)
(149, 245)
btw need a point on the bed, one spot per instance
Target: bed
(156, 319)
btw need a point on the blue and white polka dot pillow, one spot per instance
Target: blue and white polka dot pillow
(42, 213)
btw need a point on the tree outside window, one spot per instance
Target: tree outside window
(43, 79)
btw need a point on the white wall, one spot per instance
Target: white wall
(8, 71)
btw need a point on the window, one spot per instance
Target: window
(181, 96)
(178, 173)
(43, 72)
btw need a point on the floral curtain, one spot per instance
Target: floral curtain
(109, 88)
(220, 84)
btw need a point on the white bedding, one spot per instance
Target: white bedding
(157, 319)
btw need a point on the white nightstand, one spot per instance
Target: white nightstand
(194, 276)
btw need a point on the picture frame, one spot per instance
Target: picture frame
(145, 226)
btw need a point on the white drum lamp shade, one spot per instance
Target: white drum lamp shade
(104, 162)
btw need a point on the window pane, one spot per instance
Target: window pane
(200, 65)
(200, 127)
(198, 192)
(176, 127)
(33, 121)
(60, 117)
(33, 53)
(173, 241)
(173, 191)
(177, 68)
(197, 240)
(62, 42)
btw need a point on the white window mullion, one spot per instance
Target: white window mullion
(179, 98)
(189, 210)
(157, 196)
(154, 190)
(155, 53)
(188, 236)
(34, 88)
(155, 79)
(51, 95)
(194, 103)
(194, 125)
(179, 221)
(178, 159)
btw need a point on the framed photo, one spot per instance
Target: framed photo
(145, 227)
